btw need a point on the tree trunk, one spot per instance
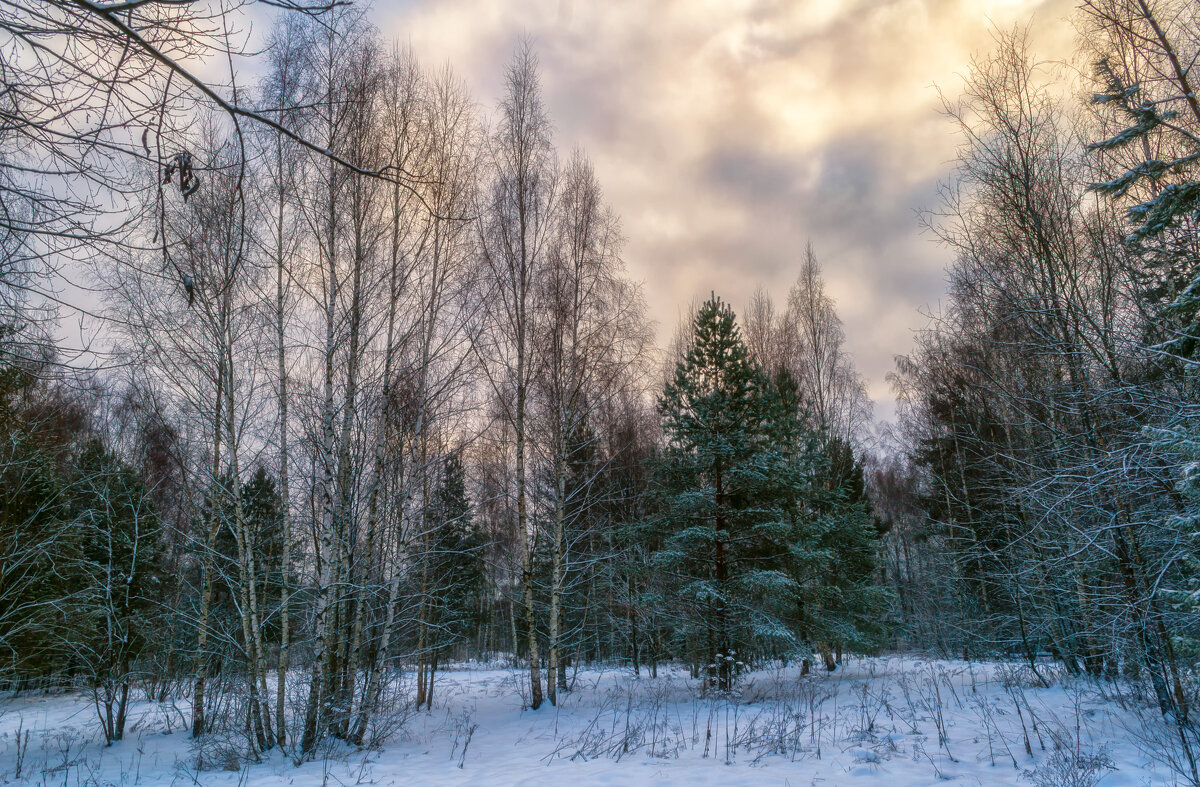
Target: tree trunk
(527, 546)
(206, 570)
(284, 482)
(556, 579)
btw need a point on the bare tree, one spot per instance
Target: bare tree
(343, 216)
(769, 337)
(591, 331)
(516, 225)
(281, 166)
(835, 391)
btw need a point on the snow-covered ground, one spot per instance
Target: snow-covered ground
(881, 721)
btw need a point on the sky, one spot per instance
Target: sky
(728, 133)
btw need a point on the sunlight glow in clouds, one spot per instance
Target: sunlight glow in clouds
(727, 133)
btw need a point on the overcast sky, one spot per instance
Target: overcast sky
(728, 132)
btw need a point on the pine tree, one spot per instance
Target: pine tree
(727, 487)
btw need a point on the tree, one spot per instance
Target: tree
(38, 428)
(516, 227)
(281, 92)
(1147, 105)
(433, 359)
(1028, 402)
(845, 606)
(100, 94)
(728, 487)
(345, 214)
(453, 571)
(266, 534)
(1147, 151)
(119, 582)
(815, 353)
(591, 337)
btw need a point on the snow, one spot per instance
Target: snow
(879, 724)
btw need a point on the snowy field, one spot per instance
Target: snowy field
(881, 721)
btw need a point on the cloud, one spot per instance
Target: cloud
(729, 132)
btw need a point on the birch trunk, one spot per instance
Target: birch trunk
(284, 483)
(206, 570)
(552, 671)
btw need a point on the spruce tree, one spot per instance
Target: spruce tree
(845, 606)
(262, 509)
(119, 574)
(1162, 226)
(454, 560)
(1162, 116)
(40, 549)
(38, 557)
(834, 538)
(1182, 588)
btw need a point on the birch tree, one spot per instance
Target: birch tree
(516, 227)
(591, 332)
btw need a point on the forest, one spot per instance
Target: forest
(370, 428)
